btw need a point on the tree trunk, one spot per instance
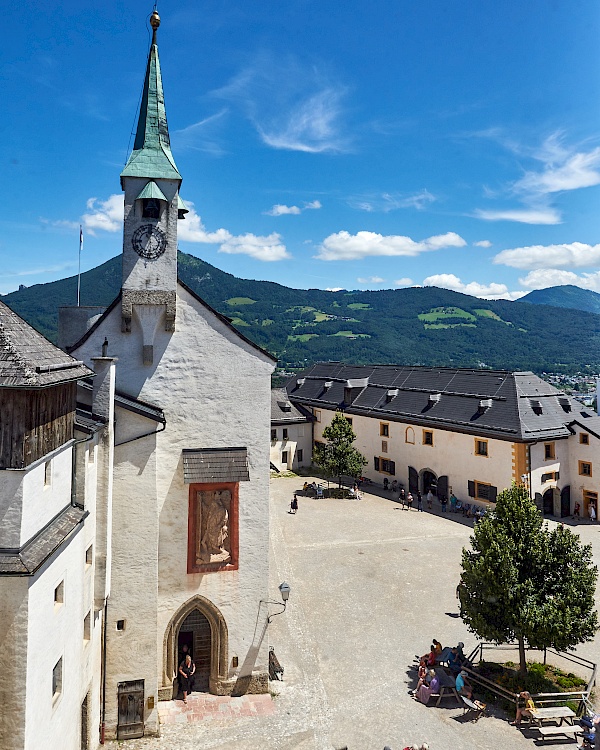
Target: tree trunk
(522, 657)
(339, 482)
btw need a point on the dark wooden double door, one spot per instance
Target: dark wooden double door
(195, 634)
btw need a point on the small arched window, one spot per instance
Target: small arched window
(409, 436)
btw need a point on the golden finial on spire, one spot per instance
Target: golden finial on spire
(155, 19)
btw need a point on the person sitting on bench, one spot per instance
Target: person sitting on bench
(426, 691)
(528, 711)
(462, 686)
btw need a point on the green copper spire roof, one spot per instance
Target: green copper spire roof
(151, 156)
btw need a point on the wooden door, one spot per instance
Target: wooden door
(413, 480)
(565, 502)
(130, 723)
(442, 487)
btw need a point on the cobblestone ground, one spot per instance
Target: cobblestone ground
(371, 586)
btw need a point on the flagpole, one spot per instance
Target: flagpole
(79, 269)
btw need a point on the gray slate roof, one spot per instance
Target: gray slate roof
(27, 560)
(497, 403)
(28, 360)
(215, 465)
(283, 411)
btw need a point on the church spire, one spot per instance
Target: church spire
(151, 156)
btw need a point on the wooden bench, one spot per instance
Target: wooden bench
(275, 668)
(567, 729)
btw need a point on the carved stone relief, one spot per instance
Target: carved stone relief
(213, 540)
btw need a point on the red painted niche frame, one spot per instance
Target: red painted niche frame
(233, 528)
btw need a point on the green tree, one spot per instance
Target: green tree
(338, 457)
(521, 581)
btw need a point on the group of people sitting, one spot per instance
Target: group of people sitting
(429, 680)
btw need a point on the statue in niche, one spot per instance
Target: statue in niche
(212, 523)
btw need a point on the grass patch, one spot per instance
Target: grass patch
(450, 325)
(351, 335)
(303, 337)
(235, 301)
(442, 313)
(359, 306)
(487, 314)
(239, 322)
(321, 316)
(302, 308)
(267, 322)
(285, 474)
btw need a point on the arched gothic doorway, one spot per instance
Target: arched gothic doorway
(201, 626)
(551, 501)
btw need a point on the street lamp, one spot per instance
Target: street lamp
(284, 590)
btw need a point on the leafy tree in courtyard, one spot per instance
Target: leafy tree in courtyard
(521, 581)
(338, 457)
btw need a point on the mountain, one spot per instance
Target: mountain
(427, 326)
(573, 297)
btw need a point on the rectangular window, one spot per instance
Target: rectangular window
(87, 627)
(584, 438)
(549, 452)
(427, 437)
(284, 456)
(59, 594)
(300, 455)
(47, 473)
(384, 429)
(89, 554)
(551, 476)
(376, 463)
(57, 676)
(482, 491)
(273, 434)
(384, 446)
(387, 466)
(317, 413)
(585, 468)
(285, 433)
(481, 447)
(301, 431)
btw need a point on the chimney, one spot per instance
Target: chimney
(484, 405)
(103, 385)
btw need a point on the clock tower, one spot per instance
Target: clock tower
(151, 183)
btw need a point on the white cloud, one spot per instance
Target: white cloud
(105, 216)
(573, 255)
(280, 209)
(370, 280)
(201, 135)
(387, 202)
(474, 288)
(292, 107)
(522, 215)
(269, 248)
(563, 168)
(482, 243)
(335, 289)
(542, 278)
(404, 282)
(346, 246)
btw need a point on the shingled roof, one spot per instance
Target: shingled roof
(284, 412)
(28, 360)
(496, 403)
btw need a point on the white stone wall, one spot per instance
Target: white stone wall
(215, 392)
(299, 437)
(14, 613)
(55, 631)
(452, 454)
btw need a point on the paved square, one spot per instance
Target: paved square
(371, 586)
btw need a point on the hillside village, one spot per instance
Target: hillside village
(157, 586)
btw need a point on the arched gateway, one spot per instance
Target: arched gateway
(201, 626)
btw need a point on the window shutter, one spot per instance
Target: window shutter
(471, 489)
(376, 463)
(393, 468)
(492, 494)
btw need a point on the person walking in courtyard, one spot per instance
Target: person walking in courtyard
(419, 501)
(187, 669)
(429, 499)
(409, 501)
(576, 511)
(402, 496)
(592, 512)
(453, 501)
(444, 501)
(294, 504)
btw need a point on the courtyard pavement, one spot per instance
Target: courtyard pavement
(371, 585)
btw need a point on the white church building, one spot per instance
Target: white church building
(159, 525)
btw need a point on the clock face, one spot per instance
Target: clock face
(149, 241)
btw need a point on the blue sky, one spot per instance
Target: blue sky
(322, 144)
